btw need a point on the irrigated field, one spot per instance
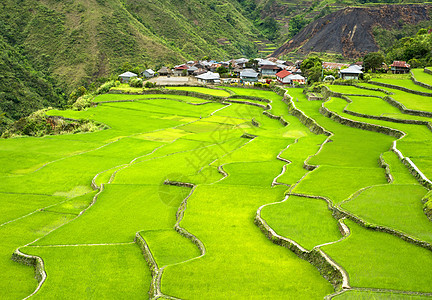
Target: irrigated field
(224, 193)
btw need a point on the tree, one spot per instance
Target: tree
(373, 61)
(252, 64)
(312, 68)
(221, 70)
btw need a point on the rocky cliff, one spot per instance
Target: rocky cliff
(349, 31)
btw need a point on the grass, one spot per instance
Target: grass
(409, 100)
(400, 173)
(307, 221)
(237, 251)
(422, 76)
(406, 83)
(378, 107)
(125, 88)
(202, 90)
(93, 271)
(347, 89)
(414, 144)
(153, 140)
(123, 97)
(395, 206)
(169, 247)
(379, 260)
(348, 163)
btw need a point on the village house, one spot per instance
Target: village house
(191, 70)
(399, 67)
(286, 77)
(352, 72)
(180, 70)
(282, 77)
(241, 62)
(269, 70)
(297, 78)
(209, 77)
(199, 71)
(237, 71)
(164, 71)
(249, 75)
(333, 66)
(125, 77)
(149, 73)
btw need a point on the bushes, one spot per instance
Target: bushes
(136, 82)
(104, 88)
(149, 85)
(82, 102)
(39, 124)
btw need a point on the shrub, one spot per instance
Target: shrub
(136, 82)
(149, 85)
(82, 102)
(104, 88)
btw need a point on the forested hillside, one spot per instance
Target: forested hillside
(22, 88)
(48, 44)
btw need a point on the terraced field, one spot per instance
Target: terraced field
(198, 193)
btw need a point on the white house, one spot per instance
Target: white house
(209, 77)
(149, 73)
(249, 75)
(125, 77)
(297, 78)
(283, 77)
(351, 72)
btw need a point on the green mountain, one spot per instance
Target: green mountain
(80, 40)
(22, 88)
(50, 47)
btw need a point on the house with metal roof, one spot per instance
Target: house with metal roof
(149, 73)
(209, 77)
(191, 70)
(125, 77)
(352, 72)
(399, 67)
(249, 75)
(241, 62)
(269, 70)
(297, 78)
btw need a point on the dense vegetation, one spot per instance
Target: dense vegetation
(416, 49)
(23, 89)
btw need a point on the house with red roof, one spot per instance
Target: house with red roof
(180, 70)
(283, 77)
(400, 67)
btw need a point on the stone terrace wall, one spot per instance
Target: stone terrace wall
(401, 88)
(305, 120)
(425, 85)
(361, 125)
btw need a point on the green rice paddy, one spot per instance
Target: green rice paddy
(422, 76)
(79, 201)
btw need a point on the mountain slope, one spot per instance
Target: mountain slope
(349, 31)
(80, 40)
(22, 88)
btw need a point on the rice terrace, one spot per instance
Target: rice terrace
(226, 193)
